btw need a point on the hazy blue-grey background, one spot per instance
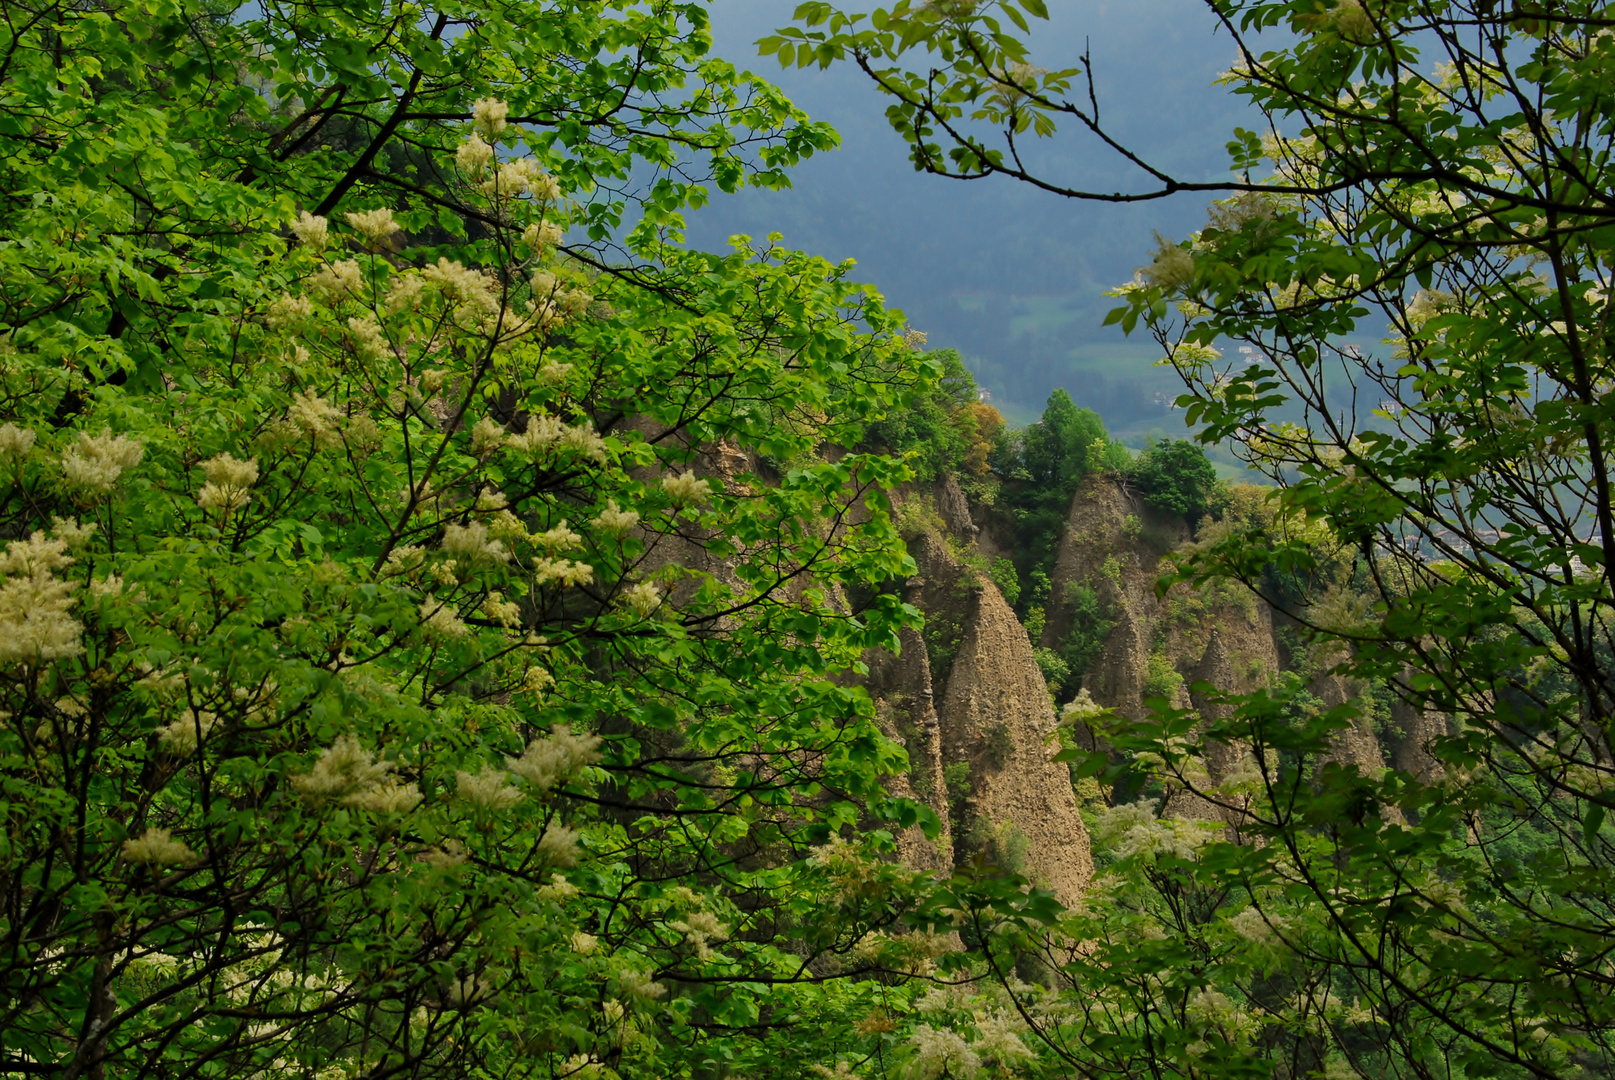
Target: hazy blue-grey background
(1010, 276)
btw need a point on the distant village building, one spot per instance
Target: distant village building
(984, 395)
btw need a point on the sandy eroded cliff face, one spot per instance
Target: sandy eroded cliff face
(970, 703)
(969, 700)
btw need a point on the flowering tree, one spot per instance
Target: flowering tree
(404, 669)
(1442, 528)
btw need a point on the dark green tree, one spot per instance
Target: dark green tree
(1056, 450)
(1176, 476)
(934, 424)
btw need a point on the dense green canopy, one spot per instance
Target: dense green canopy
(1442, 537)
(433, 599)
(386, 537)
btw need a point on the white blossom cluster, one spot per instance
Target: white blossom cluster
(613, 520)
(489, 791)
(349, 775)
(1133, 829)
(546, 434)
(511, 179)
(440, 621)
(229, 483)
(970, 1032)
(157, 847)
(375, 227)
(471, 544)
(1258, 927)
(940, 1052)
(555, 758)
(1172, 267)
(567, 572)
(642, 599)
(1211, 1011)
(313, 417)
(686, 489)
(700, 930)
(488, 116)
(338, 281)
(95, 462)
(186, 732)
(474, 290)
(1082, 709)
(311, 230)
(35, 624)
(368, 340)
(15, 443)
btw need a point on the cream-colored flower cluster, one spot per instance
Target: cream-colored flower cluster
(471, 545)
(504, 612)
(229, 483)
(474, 290)
(1082, 709)
(552, 300)
(338, 281)
(524, 176)
(555, 758)
(1172, 267)
(94, 463)
(312, 416)
(941, 1052)
(1134, 829)
(613, 520)
(559, 844)
(15, 443)
(536, 680)
(1211, 1011)
(560, 538)
(440, 621)
(369, 341)
(1259, 928)
(375, 227)
(35, 624)
(349, 775)
(489, 791)
(566, 572)
(290, 313)
(489, 115)
(487, 435)
(686, 489)
(157, 847)
(311, 230)
(643, 599)
(1352, 22)
(700, 930)
(546, 434)
(473, 155)
(538, 236)
(186, 732)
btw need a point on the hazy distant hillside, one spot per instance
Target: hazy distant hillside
(1011, 277)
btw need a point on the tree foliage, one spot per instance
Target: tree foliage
(1040, 467)
(402, 669)
(1176, 476)
(1443, 529)
(941, 426)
